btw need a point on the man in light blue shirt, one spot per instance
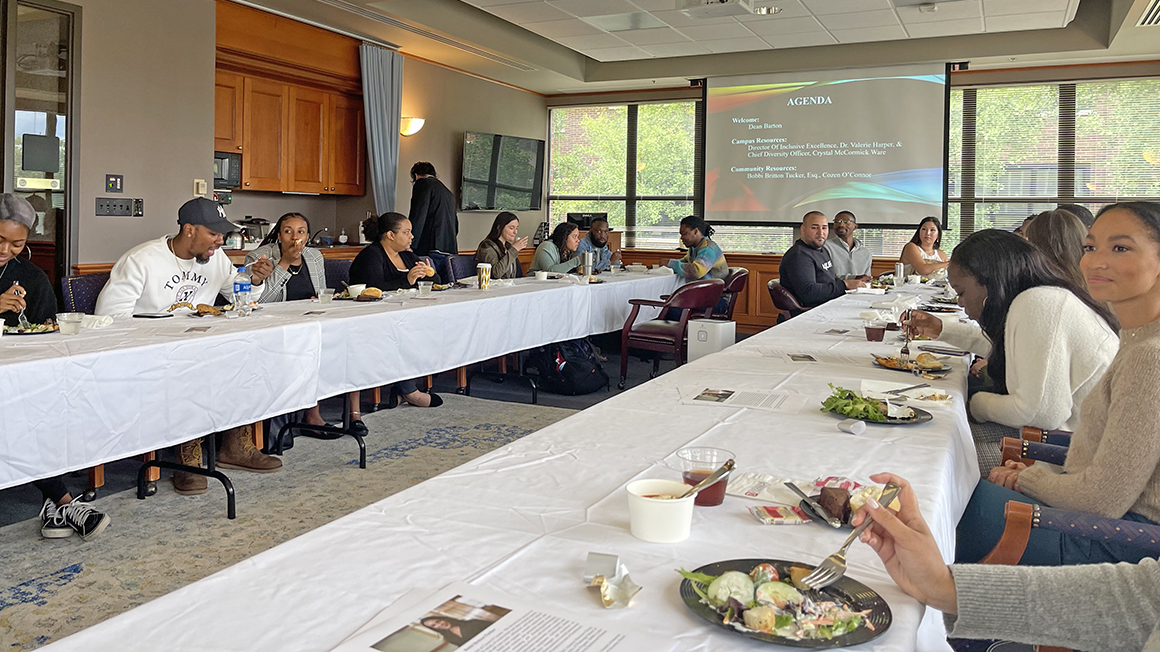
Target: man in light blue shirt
(597, 242)
(851, 258)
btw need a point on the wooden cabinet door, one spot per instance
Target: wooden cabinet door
(227, 112)
(348, 145)
(309, 161)
(266, 114)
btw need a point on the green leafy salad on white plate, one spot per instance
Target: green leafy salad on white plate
(764, 602)
(848, 403)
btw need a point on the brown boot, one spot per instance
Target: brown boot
(238, 452)
(189, 484)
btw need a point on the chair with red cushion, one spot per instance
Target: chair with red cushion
(735, 284)
(665, 335)
(784, 301)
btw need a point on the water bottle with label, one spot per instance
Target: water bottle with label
(242, 291)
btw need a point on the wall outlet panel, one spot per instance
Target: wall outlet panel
(114, 207)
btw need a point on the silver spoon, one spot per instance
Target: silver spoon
(725, 469)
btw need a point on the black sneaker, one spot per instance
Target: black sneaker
(86, 520)
(52, 524)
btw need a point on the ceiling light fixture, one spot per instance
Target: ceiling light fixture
(410, 126)
(767, 11)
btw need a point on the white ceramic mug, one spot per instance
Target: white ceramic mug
(659, 520)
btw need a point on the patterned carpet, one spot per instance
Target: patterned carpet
(52, 588)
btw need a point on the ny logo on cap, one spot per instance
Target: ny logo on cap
(221, 211)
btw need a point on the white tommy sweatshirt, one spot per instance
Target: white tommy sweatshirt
(149, 278)
(1057, 349)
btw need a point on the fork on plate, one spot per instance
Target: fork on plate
(904, 354)
(833, 567)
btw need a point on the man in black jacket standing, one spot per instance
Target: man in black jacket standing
(434, 221)
(806, 269)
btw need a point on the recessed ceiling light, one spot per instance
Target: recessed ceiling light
(767, 11)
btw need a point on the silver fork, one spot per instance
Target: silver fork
(24, 323)
(833, 567)
(904, 354)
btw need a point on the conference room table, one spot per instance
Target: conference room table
(522, 519)
(139, 385)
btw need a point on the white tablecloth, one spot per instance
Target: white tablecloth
(72, 402)
(522, 518)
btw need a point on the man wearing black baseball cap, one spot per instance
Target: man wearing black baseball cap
(175, 274)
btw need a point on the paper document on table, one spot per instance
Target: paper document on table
(477, 619)
(812, 357)
(773, 401)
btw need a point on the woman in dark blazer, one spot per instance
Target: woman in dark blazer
(389, 264)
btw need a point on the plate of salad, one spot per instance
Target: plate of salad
(848, 404)
(765, 600)
(33, 329)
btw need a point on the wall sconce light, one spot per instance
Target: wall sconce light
(410, 126)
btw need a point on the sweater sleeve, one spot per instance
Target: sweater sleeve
(546, 260)
(1112, 608)
(695, 267)
(1128, 452)
(968, 337)
(125, 287)
(799, 274)
(368, 269)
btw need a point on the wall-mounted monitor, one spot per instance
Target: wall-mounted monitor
(501, 173)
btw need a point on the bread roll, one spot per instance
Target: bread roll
(373, 293)
(927, 361)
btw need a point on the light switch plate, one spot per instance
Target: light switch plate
(114, 183)
(199, 187)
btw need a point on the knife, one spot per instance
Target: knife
(834, 523)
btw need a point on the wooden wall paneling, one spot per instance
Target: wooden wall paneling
(227, 112)
(265, 134)
(348, 145)
(309, 141)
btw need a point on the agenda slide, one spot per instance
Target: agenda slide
(870, 141)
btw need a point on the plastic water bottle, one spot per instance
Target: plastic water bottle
(242, 291)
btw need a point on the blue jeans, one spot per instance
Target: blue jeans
(982, 525)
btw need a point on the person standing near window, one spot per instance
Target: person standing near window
(433, 218)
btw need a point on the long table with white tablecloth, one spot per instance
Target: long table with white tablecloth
(71, 402)
(522, 519)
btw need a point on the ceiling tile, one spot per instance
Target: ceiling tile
(593, 7)
(946, 28)
(868, 34)
(685, 49)
(859, 19)
(558, 28)
(593, 42)
(492, 3)
(655, 5)
(842, 6)
(618, 54)
(528, 12)
(785, 26)
(789, 9)
(1014, 23)
(1011, 7)
(803, 40)
(677, 19)
(624, 22)
(944, 11)
(711, 32)
(652, 36)
(735, 44)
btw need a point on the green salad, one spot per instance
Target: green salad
(848, 403)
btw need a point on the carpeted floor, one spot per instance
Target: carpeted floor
(51, 588)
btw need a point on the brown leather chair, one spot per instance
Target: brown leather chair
(785, 301)
(664, 335)
(735, 284)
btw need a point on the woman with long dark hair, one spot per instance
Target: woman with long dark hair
(1113, 463)
(299, 271)
(922, 254)
(1046, 341)
(501, 248)
(557, 254)
(1059, 234)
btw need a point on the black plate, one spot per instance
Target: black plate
(8, 332)
(855, 594)
(920, 416)
(945, 368)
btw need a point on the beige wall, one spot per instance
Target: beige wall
(147, 76)
(452, 103)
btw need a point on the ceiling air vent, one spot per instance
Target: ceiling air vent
(1151, 15)
(425, 33)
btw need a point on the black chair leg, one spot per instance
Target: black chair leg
(143, 489)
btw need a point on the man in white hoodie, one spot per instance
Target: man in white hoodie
(191, 268)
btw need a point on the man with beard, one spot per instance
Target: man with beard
(597, 242)
(806, 269)
(851, 258)
(188, 268)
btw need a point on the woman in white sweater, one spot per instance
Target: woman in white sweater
(1047, 342)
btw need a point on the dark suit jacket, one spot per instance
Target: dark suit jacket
(434, 221)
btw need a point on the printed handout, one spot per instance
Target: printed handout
(760, 399)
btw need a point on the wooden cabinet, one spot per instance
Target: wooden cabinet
(309, 160)
(266, 111)
(348, 145)
(227, 112)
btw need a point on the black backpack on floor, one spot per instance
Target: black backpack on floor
(569, 368)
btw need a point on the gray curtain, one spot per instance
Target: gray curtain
(382, 79)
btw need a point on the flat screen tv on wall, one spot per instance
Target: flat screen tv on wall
(501, 173)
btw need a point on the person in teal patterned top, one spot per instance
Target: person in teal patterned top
(704, 259)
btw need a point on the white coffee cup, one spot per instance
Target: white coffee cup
(659, 520)
(541, 276)
(355, 290)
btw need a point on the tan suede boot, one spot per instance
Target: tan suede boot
(238, 452)
(189, 484)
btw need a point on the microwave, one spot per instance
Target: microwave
(227, 170)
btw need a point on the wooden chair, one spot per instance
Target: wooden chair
(1036, 445)
(664, 335)
(735, 284)
(784, 301)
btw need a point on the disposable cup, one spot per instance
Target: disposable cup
(541, 276)
(698, 463)
(659, 520)
(326, 295)
(70, 322)
(355, 290)
(424, 288)
(483, 272)
(875, 331)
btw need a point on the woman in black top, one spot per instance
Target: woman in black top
(389, 264)
(27, 288)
